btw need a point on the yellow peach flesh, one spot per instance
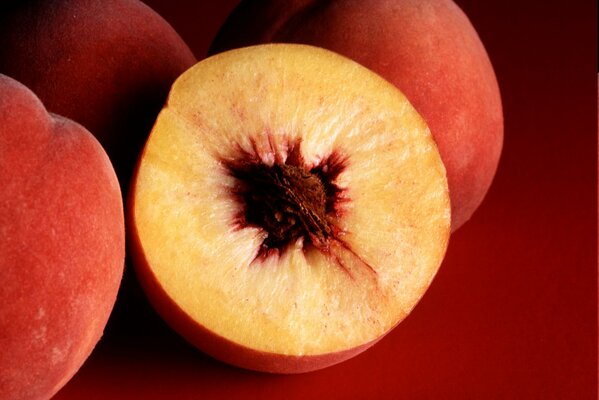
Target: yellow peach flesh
(302, 303)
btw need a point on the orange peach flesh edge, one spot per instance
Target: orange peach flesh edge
(218, 346)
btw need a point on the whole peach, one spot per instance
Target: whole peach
(61, 245)
(427, 48)
(106, 64)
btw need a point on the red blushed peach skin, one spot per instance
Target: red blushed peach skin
(218, 346)
(427, 48)
(107, 64)
(61, 249)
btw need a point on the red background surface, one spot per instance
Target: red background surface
(512, 313)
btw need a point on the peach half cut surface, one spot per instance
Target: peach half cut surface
(289, 209)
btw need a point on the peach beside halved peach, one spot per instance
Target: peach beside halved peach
(62, 245)
(427, 48)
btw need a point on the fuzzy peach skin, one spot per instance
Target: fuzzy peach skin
(427, 48)
(106, 64)
(62, 245)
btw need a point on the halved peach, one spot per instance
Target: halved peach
(290, 208)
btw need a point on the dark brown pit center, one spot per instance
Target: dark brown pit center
(287, 202)
(293, 202)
